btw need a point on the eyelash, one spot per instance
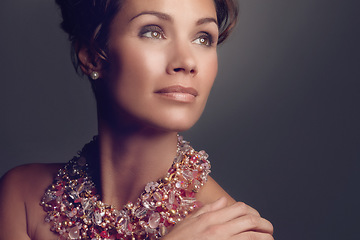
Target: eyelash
(152, 29)
(149, 31)
(209, 40)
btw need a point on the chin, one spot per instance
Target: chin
(172, 122)
(172, 126)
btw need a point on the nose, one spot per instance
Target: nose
(181, 59)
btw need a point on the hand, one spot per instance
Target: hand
(216, 221)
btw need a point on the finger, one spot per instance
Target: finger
(248, 223)
(241, 208)
(229, 213)
(217, 205)
(253, 236)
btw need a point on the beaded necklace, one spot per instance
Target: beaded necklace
(75, 210)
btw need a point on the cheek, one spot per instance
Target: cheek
(209, 71)
(136, 69)
(137, 62)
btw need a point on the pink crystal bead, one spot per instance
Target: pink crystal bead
(154, 220)
(157, 196)
(104, 234)
(188, 174)
(172, 197)
(74, 233)
(140, 212)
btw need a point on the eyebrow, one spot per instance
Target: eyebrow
(167, 17)
(160, 15)
(206, 20)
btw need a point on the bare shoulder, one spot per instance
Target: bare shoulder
(26, 179)
(212, 191)
(38, 170)
(21, 190)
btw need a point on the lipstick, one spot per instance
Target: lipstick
(178, 93)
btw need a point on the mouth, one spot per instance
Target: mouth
(178, 93)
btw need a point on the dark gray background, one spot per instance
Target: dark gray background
(281, 126)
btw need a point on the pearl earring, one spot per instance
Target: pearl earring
(94, 75)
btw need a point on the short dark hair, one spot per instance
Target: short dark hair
(87, 23)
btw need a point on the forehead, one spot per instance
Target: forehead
(190, 9)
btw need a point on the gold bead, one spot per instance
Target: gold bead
(162, 230)
(129, 205)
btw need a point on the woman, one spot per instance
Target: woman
(151, 65)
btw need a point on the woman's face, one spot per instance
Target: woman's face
(163, 60)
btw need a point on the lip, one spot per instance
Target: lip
(178, 93)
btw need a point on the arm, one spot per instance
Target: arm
(13, 224)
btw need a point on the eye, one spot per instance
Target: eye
(152, 34)
(204, 39)
(152, 31)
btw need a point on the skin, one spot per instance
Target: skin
(153, 45)
(141, 65)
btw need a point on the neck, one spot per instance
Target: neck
(128, 161)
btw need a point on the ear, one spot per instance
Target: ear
(88, 62)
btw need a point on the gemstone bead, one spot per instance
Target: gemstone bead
(154, 220)
(74, 233)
